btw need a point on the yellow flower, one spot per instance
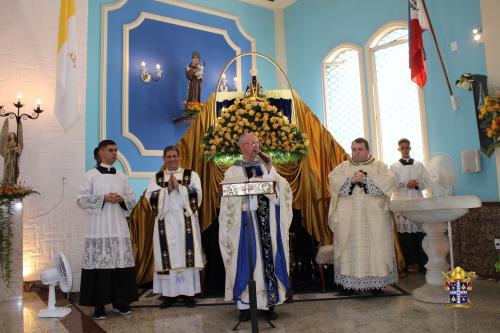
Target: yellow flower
(213, 147)
(275, 126)
(251, 113)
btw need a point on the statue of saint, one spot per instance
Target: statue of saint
(194, 73)
(11, 146)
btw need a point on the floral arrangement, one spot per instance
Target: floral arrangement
(193, 108)
(490, 115)
(277, 136)
(465, 81)
(9, 192)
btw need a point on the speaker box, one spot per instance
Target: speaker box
(471, 160)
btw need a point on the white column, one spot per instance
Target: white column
(14, 291)
(280, 46)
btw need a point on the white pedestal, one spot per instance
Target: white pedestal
(436, 246)
(15, 290)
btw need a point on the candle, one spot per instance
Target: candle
(158, 67)
(19, 98)
(143, 65)
(38, 103)
(223, 76)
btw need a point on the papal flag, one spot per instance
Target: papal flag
(67, 66)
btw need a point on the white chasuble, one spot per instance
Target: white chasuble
(271, 216)
(176, 236)
(364, 256)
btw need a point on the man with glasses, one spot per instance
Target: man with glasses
(271, 216)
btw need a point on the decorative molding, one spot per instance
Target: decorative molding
(125, 75)
(280, 42)
(215, 12)
(105, 10)
(275, 4)
(328, 59)
(128, 169)
(373, 95)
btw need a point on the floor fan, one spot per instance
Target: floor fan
(60, 274)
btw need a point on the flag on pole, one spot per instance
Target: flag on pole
(418, 23)
(67, 69)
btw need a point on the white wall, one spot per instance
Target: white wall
(28, 65)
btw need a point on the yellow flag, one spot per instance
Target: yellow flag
(67, 66)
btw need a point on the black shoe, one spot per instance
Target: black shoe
(377, 292)
(123, 309)
(190, 302)
(244, 315)
(270, 314)
(100, 312)
(168, 302)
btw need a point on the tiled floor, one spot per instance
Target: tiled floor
(384, 314)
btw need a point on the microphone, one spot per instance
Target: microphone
(263, 157)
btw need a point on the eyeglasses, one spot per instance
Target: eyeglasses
(251, 143)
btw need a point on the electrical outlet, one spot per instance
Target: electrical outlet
(497, 243)
(454, 46)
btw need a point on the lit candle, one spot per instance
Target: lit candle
(223, 76)
(38, 103)
(19, 98)
(143, 65)
(235, 79)
(158, 67)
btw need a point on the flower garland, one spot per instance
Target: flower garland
(277, 136)
(490, 115)
(8, 192)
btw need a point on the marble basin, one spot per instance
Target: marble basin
(436, 209)
(434, 214)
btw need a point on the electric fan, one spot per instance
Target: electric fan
(60, 274)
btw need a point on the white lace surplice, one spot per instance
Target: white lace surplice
(107, 241)
(405, 173)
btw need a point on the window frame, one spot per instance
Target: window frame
(376, 137)
(328, 59)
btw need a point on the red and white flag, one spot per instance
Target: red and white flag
(418, 23)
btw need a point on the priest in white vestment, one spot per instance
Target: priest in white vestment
(175, 195)
(108, 269)
(364, 256)
(413, 178)
(271, 216)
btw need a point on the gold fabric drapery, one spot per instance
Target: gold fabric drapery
(308, 180)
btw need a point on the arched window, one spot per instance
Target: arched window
(342, 90)
(397, 101)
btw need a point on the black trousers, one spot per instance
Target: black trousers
(104, 286)
(411, 244)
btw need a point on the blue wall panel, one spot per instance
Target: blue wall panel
(153, 106)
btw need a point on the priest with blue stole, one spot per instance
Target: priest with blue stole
(271, 216)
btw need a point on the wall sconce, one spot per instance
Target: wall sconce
(146, 76)
(477, 34)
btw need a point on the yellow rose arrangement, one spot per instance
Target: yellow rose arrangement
(490, 115)
(277, 136)
(193, 108)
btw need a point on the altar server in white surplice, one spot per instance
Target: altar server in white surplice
(364, 256)
(108, 269)
(413, 178)
(271, 216)
(175, 195)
